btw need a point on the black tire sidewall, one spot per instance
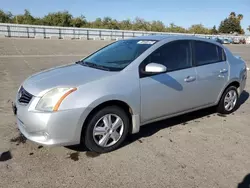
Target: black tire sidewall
(221, 107)
(88, 136)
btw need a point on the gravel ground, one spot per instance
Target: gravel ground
(201, 149)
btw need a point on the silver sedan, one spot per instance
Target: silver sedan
(102, 98)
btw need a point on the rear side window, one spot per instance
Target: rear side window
(207, 53)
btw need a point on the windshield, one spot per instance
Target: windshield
(118, 55)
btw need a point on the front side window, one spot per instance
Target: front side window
(206, 53)
(174, 55)
(117, 55)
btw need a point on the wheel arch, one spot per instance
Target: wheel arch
(233, 82)
(134, 121)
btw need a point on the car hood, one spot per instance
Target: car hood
(64, 76)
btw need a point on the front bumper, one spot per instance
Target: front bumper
(50, 128)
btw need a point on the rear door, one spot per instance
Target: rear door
(212, 71)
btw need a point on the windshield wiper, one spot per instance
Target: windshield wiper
(93, 65)
(120, 62)
(81, 62)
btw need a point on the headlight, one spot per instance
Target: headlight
(53, 98)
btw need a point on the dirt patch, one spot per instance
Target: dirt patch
(20, 139)
(5, 156)
(221, 115)
(92, 154)
(74, 156)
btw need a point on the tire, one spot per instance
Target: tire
(99, 143)
(221, 108)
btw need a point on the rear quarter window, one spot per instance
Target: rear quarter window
(207, 53)
(222, 54)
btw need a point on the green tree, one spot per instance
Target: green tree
(58, 19)
(78, 21)
(5, 17)
(214, 30)
(97, 23)
(175, 29)
(240, 17)
(248, 28)
(125, 24)
(141, 25)
(109, 23)
(25, 18)
(199, 29)
(232, 24)
(38, 21)
(157, 26)
(232, 15)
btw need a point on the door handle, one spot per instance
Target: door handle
(223, 71)
(189, 79)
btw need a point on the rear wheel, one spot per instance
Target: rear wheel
(106, 130)
(228, 101)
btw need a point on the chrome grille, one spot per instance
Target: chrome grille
(24, 96)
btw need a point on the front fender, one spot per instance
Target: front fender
(121, 98)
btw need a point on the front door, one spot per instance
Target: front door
(172, 92)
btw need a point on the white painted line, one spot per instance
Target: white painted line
(25, 61)
(56, 55)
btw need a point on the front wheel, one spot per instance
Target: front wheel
(106, 130)
(228, 101)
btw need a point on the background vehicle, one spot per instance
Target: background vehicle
(236, 40)
(111, 93)
(218, 40)
(248, 40)
(226, 41)
(242, 41)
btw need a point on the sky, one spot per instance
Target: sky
(181, 12)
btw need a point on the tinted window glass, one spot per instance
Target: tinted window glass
(174, 55)
(119, 54)
(206, 53)
(221, 54)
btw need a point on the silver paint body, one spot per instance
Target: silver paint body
(150, 98)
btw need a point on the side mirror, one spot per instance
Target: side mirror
(155, 68)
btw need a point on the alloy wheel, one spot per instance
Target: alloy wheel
(230, 100)
(108, 130)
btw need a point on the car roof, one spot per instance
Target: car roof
(151, 37)
(162, 37)
(173, 37)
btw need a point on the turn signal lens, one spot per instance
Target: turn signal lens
(62, 98)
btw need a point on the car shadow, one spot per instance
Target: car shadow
(168, 81)
(245, 182)
(243, 98)
(152, 128)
